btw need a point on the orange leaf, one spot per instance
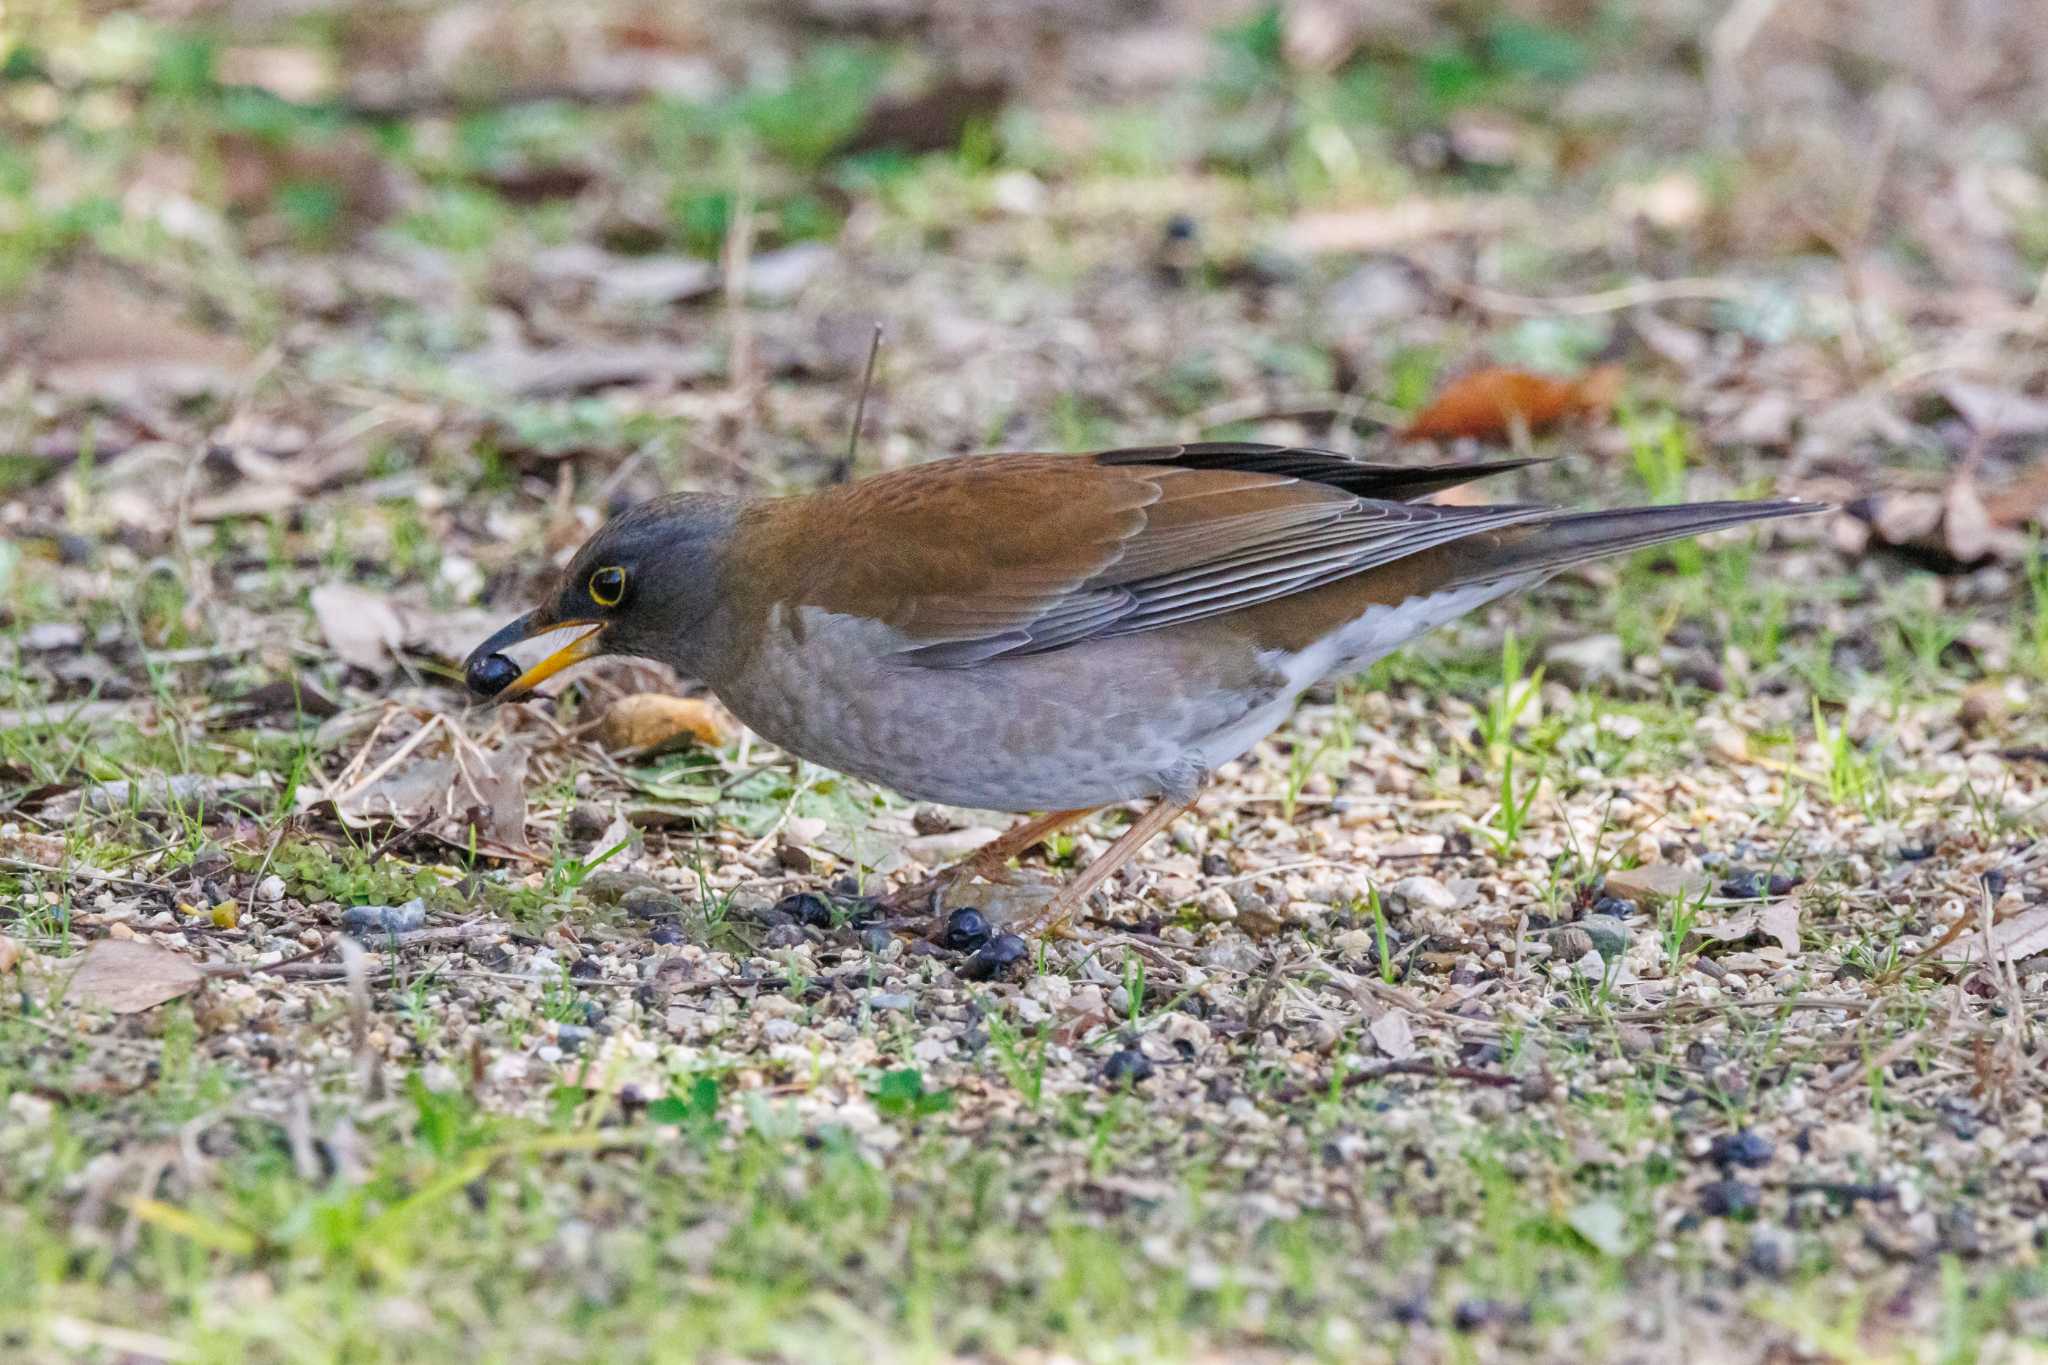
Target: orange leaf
(1485, 404)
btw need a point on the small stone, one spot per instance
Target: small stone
(1983, 706)
(876, 939)
(46, 637)
(1001, 956)
(889, 1000)
(667, 933)
(1570, 943)
(966, 930)
(1771, 1253)
(786, 935)
(270, 890)
(382, 921)
(10, 954)
(1126, 1067)
(587, 821)
(1656, 882)
(647, 902)
(572, 1037)
(1420, 893)
(1615, 906)
(1608, 934)
(1577, 663)
(1729, 1199)
(1744, 1148)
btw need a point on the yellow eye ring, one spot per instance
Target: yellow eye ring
(607, 587)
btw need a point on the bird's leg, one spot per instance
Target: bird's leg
(1053, 915)
(989, 859)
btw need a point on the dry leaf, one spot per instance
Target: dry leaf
(128, 976)
(1486, 404)
(362, 627)
(1773, 919)
(2022, 936)
(10, 954)
(1392, 1035)
(1996, 411)
(1657, 882)
(437, 780)
(103, 337)
(650, 720)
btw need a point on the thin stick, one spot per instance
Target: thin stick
(843, 470)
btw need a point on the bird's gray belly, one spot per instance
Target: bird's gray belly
(1108, 721)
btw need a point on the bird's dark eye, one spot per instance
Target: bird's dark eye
(608, 586)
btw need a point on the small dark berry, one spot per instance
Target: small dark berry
(1181, 228)
(807, 908)
(1729, 1199)
(1781, 884)
(491, 674)
(1916, 853)
(1127, 1066)
(1745, 886)
(1741, 1149)
(966, 930)
(1994, 883)
(999, 957)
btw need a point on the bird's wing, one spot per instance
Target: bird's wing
(1018, 554)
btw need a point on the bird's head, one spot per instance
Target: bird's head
(645, 584)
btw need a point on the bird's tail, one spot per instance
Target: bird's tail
(1558, 542)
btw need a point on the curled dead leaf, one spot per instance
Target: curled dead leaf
(2024, 935)
(362, 627)
(651, 720)
(1487, 403)
(1773, 919)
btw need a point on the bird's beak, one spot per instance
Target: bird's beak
(526, 628)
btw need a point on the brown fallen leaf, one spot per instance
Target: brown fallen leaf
(649, 721)
(436, 780)
(2022, 936)
(1773, 919)
(128, 976)
(10, 954)
(1393, 1036)
(101, 334)
(1486, 404)
(362, 627)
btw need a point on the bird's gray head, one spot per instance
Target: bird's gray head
(646, 584)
